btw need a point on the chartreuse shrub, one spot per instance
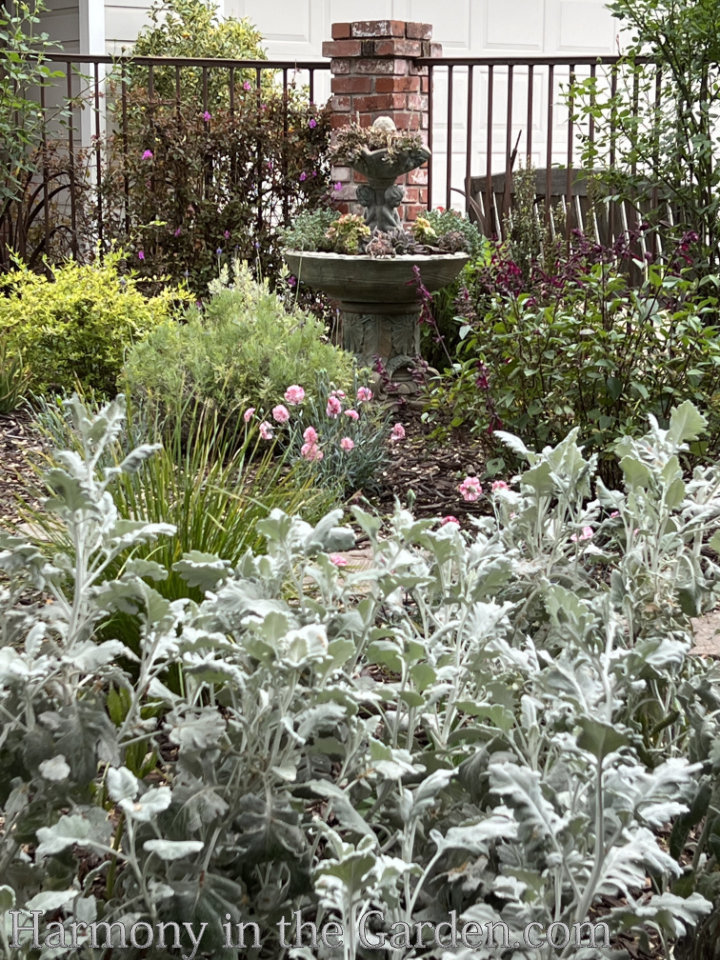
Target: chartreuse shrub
(243, 348)
(492, 722)
(77, 325)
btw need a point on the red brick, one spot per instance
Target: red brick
(382, 67)
(418, 176)
(415, 102)
(378, 28)
(337, 121)
(340, 104)
(412, 211)
(407, 121)
(425, 84)
(340, 67)
(392, 48)
(423, 195)
(412, 195)
(417, 31)
(353, 85)
(341, 48)
(397, 85)
(382, 101)
(341, 31)
(435, 50)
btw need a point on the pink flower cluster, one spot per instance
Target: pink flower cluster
(470, 489)
(294, 395)
(587, 533)
(310, 449)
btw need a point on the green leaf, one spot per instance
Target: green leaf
(600, 738)
(173, 849)
(686, 423)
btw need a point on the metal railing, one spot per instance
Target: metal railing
(488, 115)
(89, 99)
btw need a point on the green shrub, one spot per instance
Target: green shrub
(193, 184)
(585, 347)
(243, 348)
(77, 325)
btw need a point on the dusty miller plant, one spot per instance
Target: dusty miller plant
(478, 721)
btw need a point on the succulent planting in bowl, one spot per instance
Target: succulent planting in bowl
(367, 262)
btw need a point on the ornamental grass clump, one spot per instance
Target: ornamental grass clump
(489, 725)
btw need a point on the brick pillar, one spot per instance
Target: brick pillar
(374, 74)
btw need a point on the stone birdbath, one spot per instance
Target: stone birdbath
(378, 295)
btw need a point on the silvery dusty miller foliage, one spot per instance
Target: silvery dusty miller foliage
(508, 756)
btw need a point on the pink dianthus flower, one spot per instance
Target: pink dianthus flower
(470, 489)
(294, 395)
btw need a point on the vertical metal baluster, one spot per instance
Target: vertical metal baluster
(98, 159)
(469, 135)
(448, 149)
(528, 137)
(570, 155)
(46, 192)
(431, 120)
(258, 83)
(285, 203)
(507, 191)
(548, 155)
(613, 137)
(126, 177)
(71, 162)
(489, 197)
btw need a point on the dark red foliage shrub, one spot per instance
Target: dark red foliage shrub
(186, 190)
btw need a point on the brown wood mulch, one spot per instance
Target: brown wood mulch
(21, 444)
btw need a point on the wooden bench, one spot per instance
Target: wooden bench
(575, 202)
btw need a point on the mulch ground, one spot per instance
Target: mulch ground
(20, 445)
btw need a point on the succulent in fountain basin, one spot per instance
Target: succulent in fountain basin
(367, 262)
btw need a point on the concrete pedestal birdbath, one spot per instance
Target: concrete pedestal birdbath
(378, 295)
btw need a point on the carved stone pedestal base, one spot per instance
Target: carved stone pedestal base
(389, 333)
